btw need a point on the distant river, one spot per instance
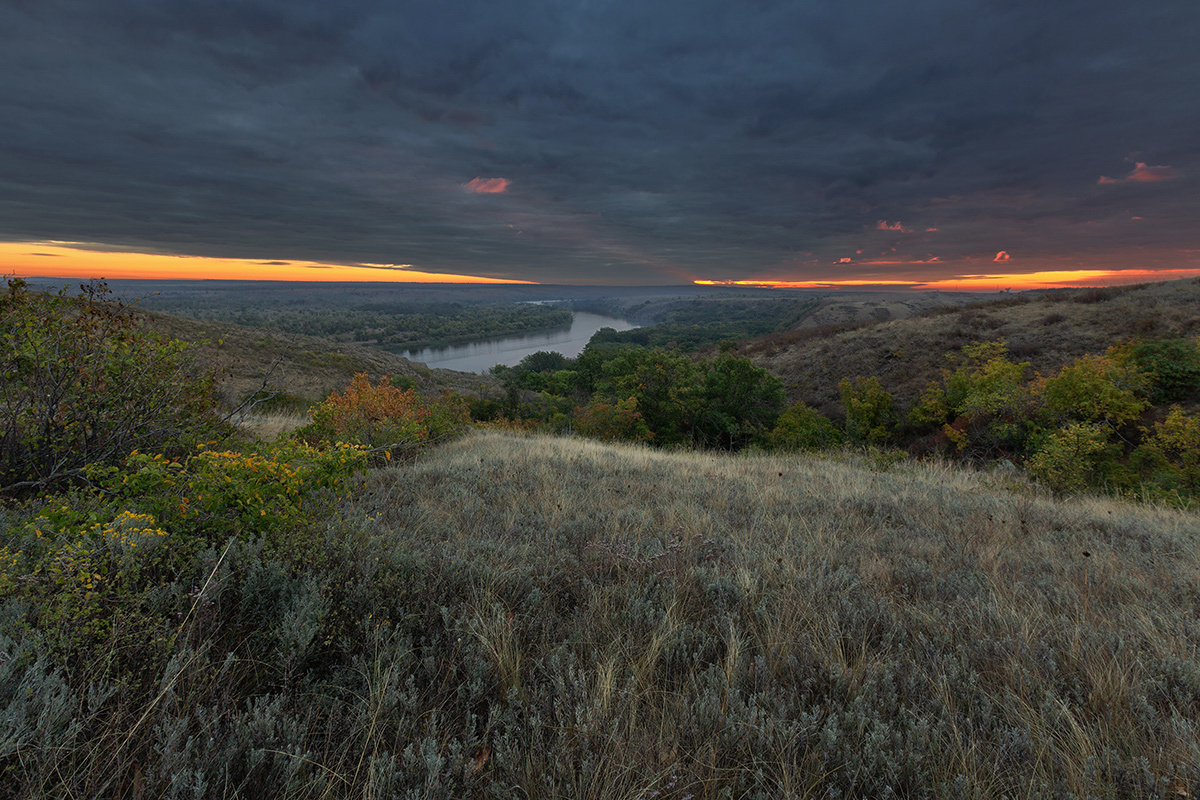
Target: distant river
(483, 355)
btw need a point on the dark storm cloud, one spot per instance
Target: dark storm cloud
(634, 142)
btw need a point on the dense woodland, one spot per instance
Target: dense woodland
(423, 594)
(394, 326)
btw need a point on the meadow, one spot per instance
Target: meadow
(391, 601)
(538, 616)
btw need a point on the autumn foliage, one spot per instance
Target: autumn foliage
(389, 420)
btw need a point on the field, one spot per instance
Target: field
(550, 617)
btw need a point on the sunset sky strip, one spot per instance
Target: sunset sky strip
(67, 260)
(988, 283)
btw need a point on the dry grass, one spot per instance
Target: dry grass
(1047, 330)
(305, 367)
(796, 624)
(269, 426)
(535, 617)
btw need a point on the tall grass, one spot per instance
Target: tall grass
(523, 616)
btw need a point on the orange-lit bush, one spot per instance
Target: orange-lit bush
(385, 418)
(619, 421)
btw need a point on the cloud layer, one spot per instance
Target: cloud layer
(607, 142)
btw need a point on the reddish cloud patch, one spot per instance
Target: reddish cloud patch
(884, 225)
(1143, 173)
(488, 185)
(1002, 256)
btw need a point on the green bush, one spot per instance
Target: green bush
(741, 402)
(1169, 456)
(869, 410)
(1173, 364)
(85, 383)
(214, 494)
(1107, 388)
(1070, 457)
(666, 385)
(803, 428)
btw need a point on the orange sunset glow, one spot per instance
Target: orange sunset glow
(1061, 279)
(75, 260)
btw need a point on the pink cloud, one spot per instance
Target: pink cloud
(1143, 173)
(488, 185)
(884, 225)
(1002, 256)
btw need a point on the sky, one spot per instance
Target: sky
(929, 143)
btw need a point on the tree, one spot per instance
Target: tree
(803, 428)
(1070, 457)
(83, 382)
(983, 404)
(869, 410)
(666, 385)
(741, 402)
(1105, 388)
(1174, 366)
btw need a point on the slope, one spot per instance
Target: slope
(1047, 329)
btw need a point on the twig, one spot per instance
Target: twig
(253, 399)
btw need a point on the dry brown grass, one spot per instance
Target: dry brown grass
(921, 628)
(536, 617)
(1047, 330)
(269, 426)
(304, 367)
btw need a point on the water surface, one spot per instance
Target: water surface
(483, 355)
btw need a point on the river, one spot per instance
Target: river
(483, 355)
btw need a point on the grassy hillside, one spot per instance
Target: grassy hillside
(1047, 329)
(305, 367)
(547, 617)
(799, 627)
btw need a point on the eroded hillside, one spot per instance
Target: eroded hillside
(1047, 329)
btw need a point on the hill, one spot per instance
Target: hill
(1047, 329)
(693, 624)
(547, 617)
(305, 368)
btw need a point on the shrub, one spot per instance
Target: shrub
(1104, 388)
(930, 411)
(985, 398)
(619, 421)
(741, 402)
(666, 385)
(1174, 365)
(219, 493)
(803, 428)
(85, 383)
(1170, 455)
(1069, 458)
(385, 418)
(869, 410)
